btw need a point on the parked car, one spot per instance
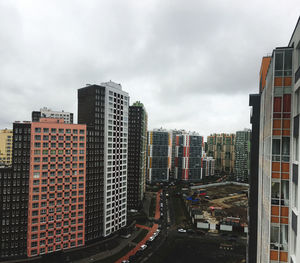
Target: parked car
(125, 261)
(152, 238)
(181, 230)
(132, 258)
(143, 247)
(191, 231)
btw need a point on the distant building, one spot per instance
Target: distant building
(189, 147)
(43, 195)
(137, 155)
(6, 139)
(174, 133)
(159, 155)
(242, 155)
(222, 148)
(48, 113)
(205, 147)
(208, 167)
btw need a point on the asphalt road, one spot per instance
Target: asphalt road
(172, 246)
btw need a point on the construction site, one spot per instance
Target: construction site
(221, 206)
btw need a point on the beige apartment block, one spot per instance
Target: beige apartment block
(6, 136)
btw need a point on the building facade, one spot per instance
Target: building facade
(159, 155)
(242, 155)
(43, 194)
(278, 198)
(11, 245)
(48, 113)
(137, 157)
(174, 133)
(104, 109)
(15, 194)
(188, 157)
(56, 203)
(254, 102)
(222, 148)
(208, 166)
(6, 139)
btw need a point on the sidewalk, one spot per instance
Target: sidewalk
(108, 253)
(134, 250)
(150, 233)
(157, 212)
(145, 227)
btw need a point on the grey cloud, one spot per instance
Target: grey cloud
(181, 58)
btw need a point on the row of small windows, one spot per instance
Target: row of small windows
(52, 203)
(59, 159)
(57, 217)
(57, 247)
(57, 232)
(109, 187)
(57, 225)
(57, 180)
(112, 193)
(60, 138)
(58, 166)
(56, 210)
(60, 145)
(110, 169)
(60, 152)
(36, 175)
(57, 187)
(61, 131)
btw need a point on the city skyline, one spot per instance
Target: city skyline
(163, 54)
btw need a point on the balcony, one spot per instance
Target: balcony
(297, 75)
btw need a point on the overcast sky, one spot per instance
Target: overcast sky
(192, 63)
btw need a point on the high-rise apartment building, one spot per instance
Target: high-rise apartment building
(43, 195)
(159, 155)
(254, 102)
(48, 113)
(208, 167)
(137, 155)
(104, 109)
(278, 198)
(6, 137)
(242, 155)
(174, 133)
(188, 157)
(222, 148)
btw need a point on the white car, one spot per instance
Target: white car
(181, 230)
(157, 231)
(152, 238)
(143, 247)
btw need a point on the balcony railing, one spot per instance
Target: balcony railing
(297, 75)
